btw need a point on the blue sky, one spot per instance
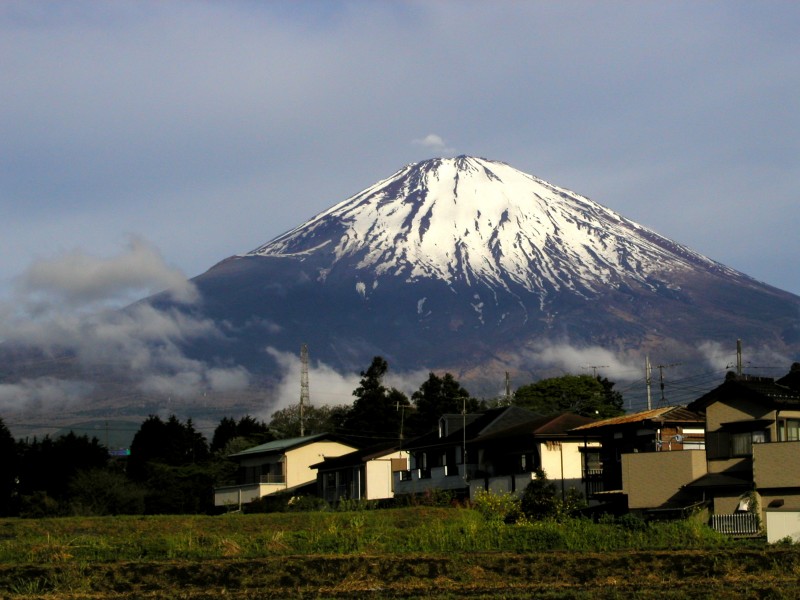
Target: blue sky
(207, 128)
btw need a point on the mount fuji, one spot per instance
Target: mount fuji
(470, 265)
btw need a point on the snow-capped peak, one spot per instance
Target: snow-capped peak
(474, 220)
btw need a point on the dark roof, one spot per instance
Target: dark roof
(281, 446)
(763, 391)
(665, 414)
(558, 425)
(357, 457)
(487, 422)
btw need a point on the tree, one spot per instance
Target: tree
(376, 411)
(49, 465)
(98, 492)
(285, 423)
(582, 394)
(172, 443)
(438, 396)
(248, 430)
(172, 460)
(9, 470)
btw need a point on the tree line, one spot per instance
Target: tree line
(172, 468)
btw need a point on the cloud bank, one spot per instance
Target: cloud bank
(68, 308)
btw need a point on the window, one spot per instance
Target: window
(742, 443)
(789, 430)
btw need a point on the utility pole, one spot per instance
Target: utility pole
(508, 389)
(663, 401)
(304, 399)
(594, 369)
(648, 371)
(739, 358)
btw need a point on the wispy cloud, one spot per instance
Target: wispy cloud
(435, 143)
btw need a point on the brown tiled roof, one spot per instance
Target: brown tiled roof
(671, 414)
(553, 425)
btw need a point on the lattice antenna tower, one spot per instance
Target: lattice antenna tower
(304, 398)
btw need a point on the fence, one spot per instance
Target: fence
(743, 524)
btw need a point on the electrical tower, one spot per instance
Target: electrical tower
(304, 399)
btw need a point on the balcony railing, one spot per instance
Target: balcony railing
(272, 478)
(736, 524)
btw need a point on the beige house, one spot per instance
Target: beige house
(648, 457)
(360, 475)
(278, 466)
(753, 444)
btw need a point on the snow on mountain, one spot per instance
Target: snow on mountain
(471, 220)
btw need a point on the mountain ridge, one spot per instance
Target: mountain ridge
(457, 264)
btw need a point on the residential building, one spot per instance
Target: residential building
(279, 466)
(647, 457)
(753, 444)
(360, 475)
(499, 449)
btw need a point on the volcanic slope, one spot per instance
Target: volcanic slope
(470, 265)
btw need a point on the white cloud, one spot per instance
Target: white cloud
(435, 143)
(574, 360)
(48, 392)
(68, 307)
(326, 386)
(78, 280)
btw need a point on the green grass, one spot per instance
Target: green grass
(404, 553)
(391, 531)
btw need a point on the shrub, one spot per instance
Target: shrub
(500, 507)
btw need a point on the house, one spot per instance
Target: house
(752, 445)
(360, 475)
(279, 466)
(499, 449)
(647, 457)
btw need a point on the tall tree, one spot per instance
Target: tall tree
(172, 460)
(376, 412)
(168, 443)
(285, 423)
(438, 396)
(247, 430)
(9, 469)
(582, 394)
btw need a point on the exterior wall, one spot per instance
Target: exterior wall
(516, 484)
(726, 503)
(414, 481)
(650, 479)
(776, 465)
(299, 460)
(562, 460)
(782, 524)
(731, 411)
(234, 495)
(379, 482)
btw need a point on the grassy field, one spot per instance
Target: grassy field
(418, 552)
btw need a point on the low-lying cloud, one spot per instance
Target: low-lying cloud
(77, 280)
(573, 360)
(70, 306)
